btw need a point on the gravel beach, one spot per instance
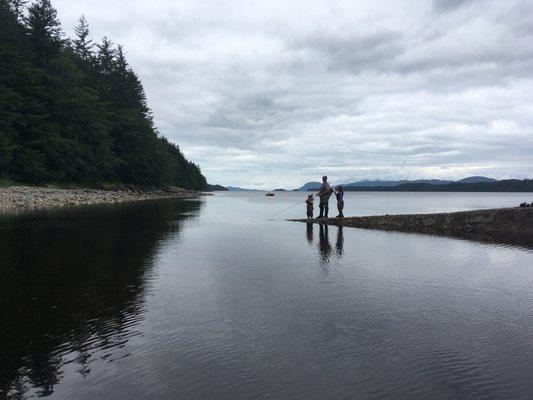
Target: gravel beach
(21, 197)
(503, 225)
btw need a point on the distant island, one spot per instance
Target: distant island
(469, 184)
(74, 112)
(239, 189)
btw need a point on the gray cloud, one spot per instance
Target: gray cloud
(447, 5)
(355, 54)
(276, 94)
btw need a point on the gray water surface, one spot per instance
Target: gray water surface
(210, 300)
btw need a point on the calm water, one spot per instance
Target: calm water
(211, 300)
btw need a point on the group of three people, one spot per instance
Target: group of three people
(324, 194)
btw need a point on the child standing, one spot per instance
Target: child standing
(339, 193)
(310, 205)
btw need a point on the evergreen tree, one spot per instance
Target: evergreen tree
(44, 30)
(18, 8)
(83, 46)
(106, 57)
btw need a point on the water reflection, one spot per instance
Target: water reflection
(324, 247)
(339, 245)
(309, 233)
(72, 281)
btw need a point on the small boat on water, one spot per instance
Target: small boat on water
(269, 194)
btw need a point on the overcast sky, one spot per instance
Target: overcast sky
(274, 93)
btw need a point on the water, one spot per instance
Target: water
(210, 300)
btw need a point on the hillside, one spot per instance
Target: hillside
(391, 183)
(310, 186)
(511, 185)
(216, 188)
(469, 184)
(375, 183)
(73, 111)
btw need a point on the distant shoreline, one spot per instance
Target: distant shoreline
(28, 197)
(503, 225)
(507, 185)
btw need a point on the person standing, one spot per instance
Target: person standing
(339, 194)
(310, 205)
(324, 194)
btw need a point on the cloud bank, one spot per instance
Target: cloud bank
(274, 94)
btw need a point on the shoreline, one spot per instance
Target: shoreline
(29, 197)
(499, 225)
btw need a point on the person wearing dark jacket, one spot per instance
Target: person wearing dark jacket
(310, 205)
(339, 194)
(324, 194)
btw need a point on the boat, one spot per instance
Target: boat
(269, 194)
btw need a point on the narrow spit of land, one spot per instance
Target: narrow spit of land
(504, 225)
(24, 197)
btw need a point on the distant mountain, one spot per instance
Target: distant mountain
(385, 184)
(310, 186)
(510, 185)
(375, 183)
(368, 183)
(279, 190)
(379, 183)
(216, 188)
(238, 189)
(476, 179)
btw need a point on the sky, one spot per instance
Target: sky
(269, 94)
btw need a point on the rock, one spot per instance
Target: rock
(39, 197)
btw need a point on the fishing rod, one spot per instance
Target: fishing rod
(285, 209)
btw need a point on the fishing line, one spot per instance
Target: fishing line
(286, 209)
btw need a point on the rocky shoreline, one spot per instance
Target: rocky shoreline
(26, 197)
(503, 225)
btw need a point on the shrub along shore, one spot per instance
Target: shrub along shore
(25, 197)
(503, 225)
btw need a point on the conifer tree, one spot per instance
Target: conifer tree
(44, 30)
(18, 7)
(83, 46)
(106, 57)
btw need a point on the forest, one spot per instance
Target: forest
(73, 111)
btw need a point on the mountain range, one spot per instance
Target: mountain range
(239, 189)
(379, 183)
(471, 183)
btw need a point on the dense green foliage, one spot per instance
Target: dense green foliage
(509, 185)
(216, 188)
(73, 111)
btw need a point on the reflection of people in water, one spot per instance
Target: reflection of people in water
(310, 233)
(324, 247)
(339, 246)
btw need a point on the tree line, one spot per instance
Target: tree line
(507, 185)
(73, 111)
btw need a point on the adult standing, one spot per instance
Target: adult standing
(324, 195)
